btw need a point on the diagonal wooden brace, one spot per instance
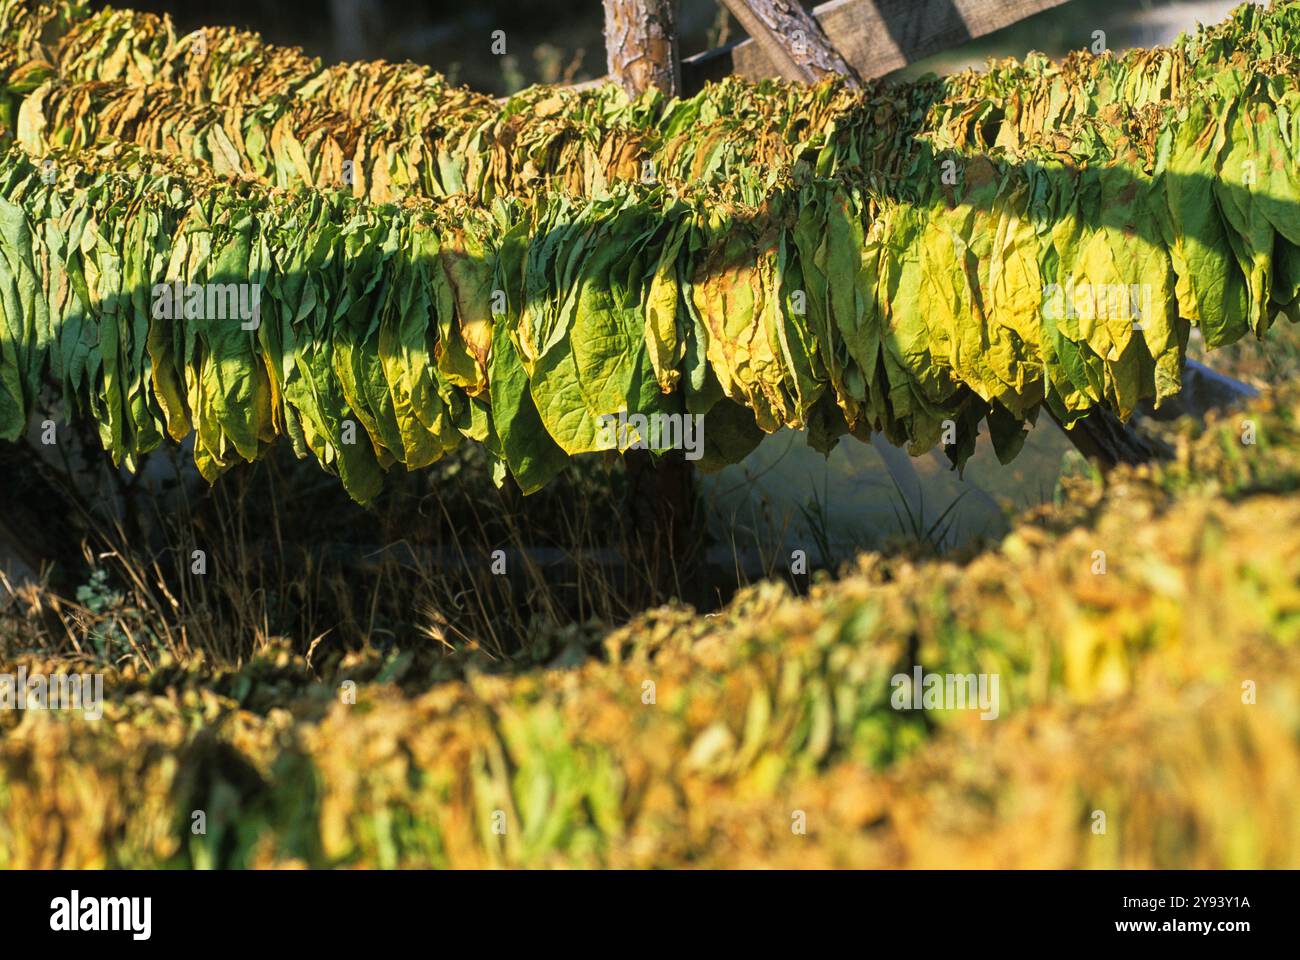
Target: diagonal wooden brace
(792, 40)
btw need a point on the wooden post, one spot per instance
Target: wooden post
(793, 41)
(42, 524)
(660, 509)
(641, 45)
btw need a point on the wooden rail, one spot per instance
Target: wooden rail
(875, 37)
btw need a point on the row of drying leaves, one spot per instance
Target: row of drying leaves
(435, 266)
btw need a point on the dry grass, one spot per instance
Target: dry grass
(443, 558)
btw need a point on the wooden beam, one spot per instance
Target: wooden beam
(1108, 441)
(790, 40)
(875, 37)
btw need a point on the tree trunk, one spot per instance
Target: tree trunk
(641, 45)
(641, 49)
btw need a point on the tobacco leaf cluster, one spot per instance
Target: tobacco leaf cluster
(433, 266)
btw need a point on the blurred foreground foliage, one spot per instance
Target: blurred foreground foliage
(1121, 692)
